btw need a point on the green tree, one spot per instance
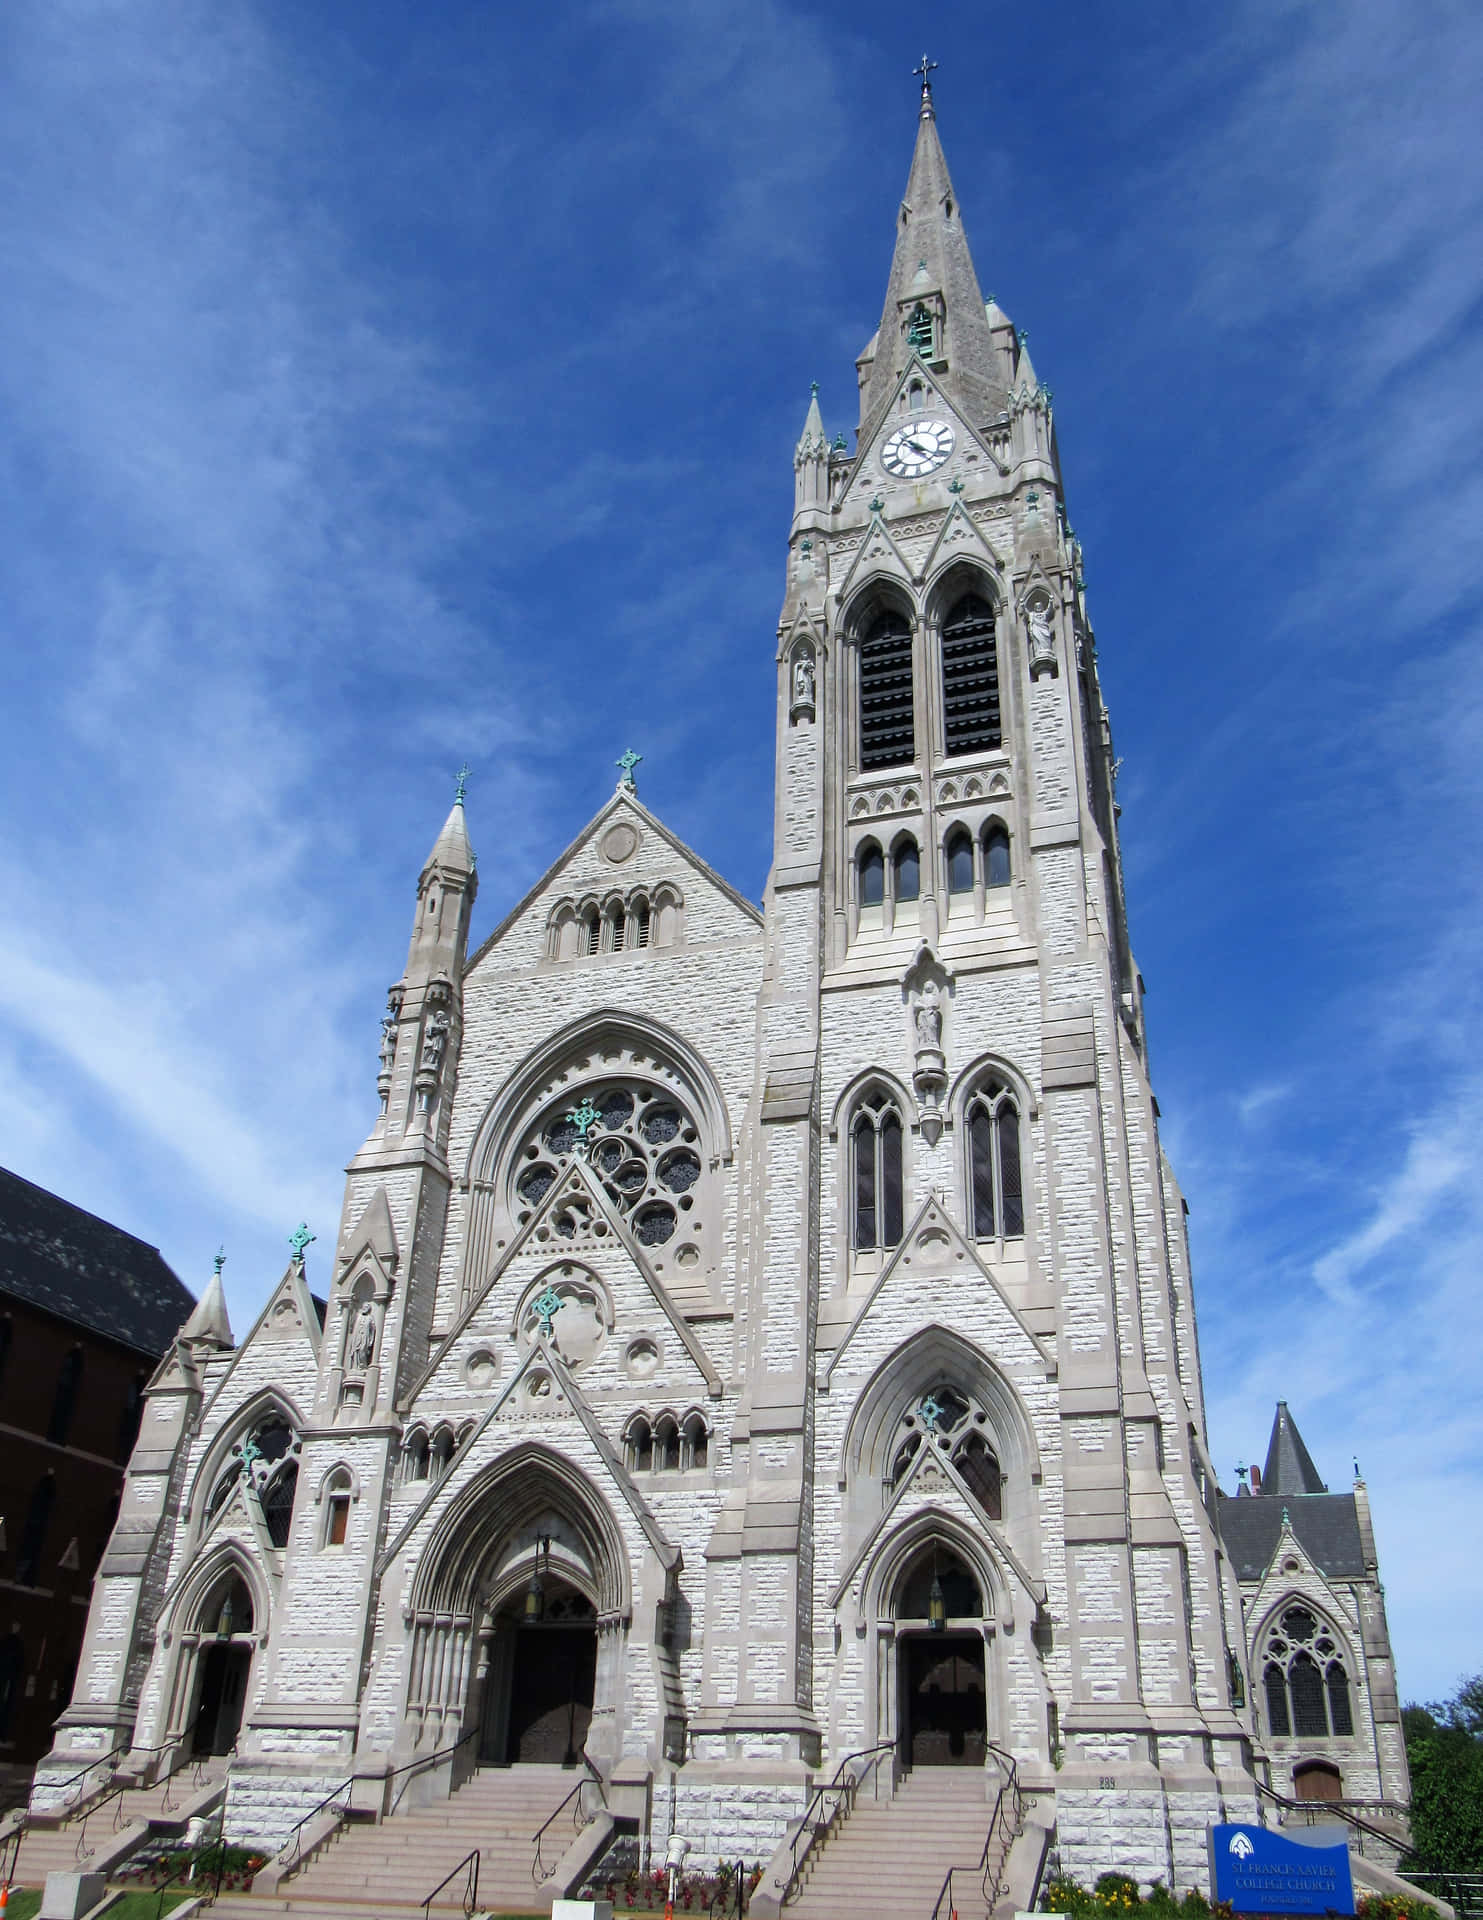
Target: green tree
(1444, 1748)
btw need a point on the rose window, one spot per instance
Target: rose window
(641, 1143)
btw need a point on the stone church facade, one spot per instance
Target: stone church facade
(752, 1337)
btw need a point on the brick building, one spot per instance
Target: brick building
(86, 1310)
(754, 1336)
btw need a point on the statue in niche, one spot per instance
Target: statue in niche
(362, 1342)
(927, 1016)
(434, 1041)
(803, 680)
(389, 1030)
(1042, 640)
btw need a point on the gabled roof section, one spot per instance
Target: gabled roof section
(932, 264)
(932, 1224)
(624, 803)
(70, 1263)
(1289, 1467)
(1325, 1526)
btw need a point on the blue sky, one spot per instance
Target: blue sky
(385, 386)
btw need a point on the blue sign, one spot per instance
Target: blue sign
(1262, 1871)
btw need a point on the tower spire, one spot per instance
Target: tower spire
(934, 309)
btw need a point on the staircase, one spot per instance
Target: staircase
(69, 1847)
(369, 1871)
(889, 1859)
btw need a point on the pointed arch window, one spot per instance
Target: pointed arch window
(887, 728)
(875, 1140)
(1305, 1680)
(996, 1190)
(591, 931)
(970, 678)
(959, 850)
(872, 875)
(906, 874)
(954, 1421)
(996, 855)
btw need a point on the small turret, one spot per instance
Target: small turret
(208, 1325)
(445, 899)
(811, 463)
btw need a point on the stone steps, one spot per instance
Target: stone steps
(66, 1849)
(397, 1863)
(889, 1859)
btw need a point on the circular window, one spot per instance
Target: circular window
(639, 1140)
(642, 1358)
(481, 1368)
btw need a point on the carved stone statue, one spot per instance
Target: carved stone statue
(928, 1017)
(803, 680)
(1042, 639)
(388, 1041)
(362, 1342)
(434, 1041)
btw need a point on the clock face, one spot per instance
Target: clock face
(918, 448)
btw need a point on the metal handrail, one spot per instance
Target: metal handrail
(537, 1865)
(409, 1767)
(471, 1885)
(1009, 1791)
(117, 1792)
(296, 1833)
(1310, 1808)
(723, 1893)
(842, 1790)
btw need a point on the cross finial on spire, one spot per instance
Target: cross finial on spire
(924, 73)
(299, 1239)
(460, 782)
(628, 760)
(220, 1261)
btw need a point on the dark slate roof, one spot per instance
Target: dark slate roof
(1289, 1467)
(1326, 1524)
(80, 1268)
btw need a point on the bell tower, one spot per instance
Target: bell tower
(953, 1072)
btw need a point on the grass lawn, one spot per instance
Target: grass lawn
(141, 1903)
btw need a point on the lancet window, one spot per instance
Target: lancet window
(996, 855)
(970, 678)
(875, 1143)
(640, 1141)
(949, 1419)
(1304, 1678)
(887, 727)
(995, 1187)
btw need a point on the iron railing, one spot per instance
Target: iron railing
(725, 1886)
(1461, 1891)
(538, 1870)
(469, 1867)
(1005, 1824)
(1314, 1812)
(348, 1785)
(115, 1794)
(828, 1807)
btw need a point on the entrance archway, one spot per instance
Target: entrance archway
(519, 1608)
(942, 1705)
(223, 1667)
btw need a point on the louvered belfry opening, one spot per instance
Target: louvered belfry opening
(970, 678)
(887, 735)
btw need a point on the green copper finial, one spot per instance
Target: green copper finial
(1022, 334)
(461, 780)
(628, 760)
(251, 1452)
(547, 1304)
(1285, 1520)
(839, 444)
(930, 1411)
(877, 504)
(584, 1117)
(220, 1261)
(813, 389)
(299, 1239)
(955, 486)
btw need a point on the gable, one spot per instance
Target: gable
(622, 854)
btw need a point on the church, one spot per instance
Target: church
(759, 1343)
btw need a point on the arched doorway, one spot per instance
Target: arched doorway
(223, 1666)
(942, 1714)
(1317, 1780)
(542, 1672)
(519, 1607)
